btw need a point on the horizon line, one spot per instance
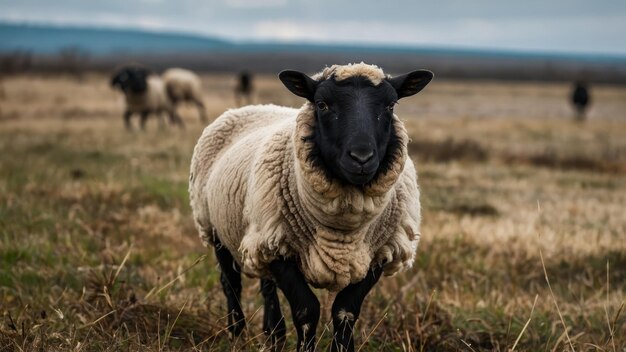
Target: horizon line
(459, 49)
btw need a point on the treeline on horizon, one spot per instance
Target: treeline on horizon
(72, 60)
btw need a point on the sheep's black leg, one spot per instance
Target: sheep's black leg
(201, 110)
(161, 120)
(347, 307)
(231, 284)
(144, 118)
(127, 115)
(175, 119)
(305, 308)
(273, 319)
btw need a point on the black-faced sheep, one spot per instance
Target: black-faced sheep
(145, 94)
(184, 86)
(322, 195)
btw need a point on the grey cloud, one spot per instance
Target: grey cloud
(574, 25)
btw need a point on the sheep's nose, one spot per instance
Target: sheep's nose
(361, 156)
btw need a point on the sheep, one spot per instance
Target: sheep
(184, 86)
(322, 195)
(145, 93)
(580, 98)
(244, 88)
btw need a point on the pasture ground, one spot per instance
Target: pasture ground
(98, 251)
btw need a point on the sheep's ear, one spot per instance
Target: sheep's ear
(410, 83)
(299, 84)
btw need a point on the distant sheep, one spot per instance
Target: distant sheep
(244, 87)
(323, 195)
(145, 94)
(581, 99)
(184, 86)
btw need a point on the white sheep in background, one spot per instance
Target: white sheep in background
(184, 86)
(322, 195)
(145, 94)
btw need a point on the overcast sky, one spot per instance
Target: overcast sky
(584, 26)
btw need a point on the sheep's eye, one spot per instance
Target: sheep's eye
(391, 106)
(321, 105)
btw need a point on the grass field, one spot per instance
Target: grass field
(523, 240)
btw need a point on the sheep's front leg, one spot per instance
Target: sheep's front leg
(175, 118)
(347, 308)
(231, 284)
(144, 118)
(127, 115)
(305, 308)
(273, 319)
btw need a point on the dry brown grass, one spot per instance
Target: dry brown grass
(98, 251)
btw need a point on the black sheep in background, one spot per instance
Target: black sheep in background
(580, 99)
(244, 88)
(145, 94)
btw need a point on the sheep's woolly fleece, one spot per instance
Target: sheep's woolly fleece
(253, 187)
(154, 99)
(182, 84)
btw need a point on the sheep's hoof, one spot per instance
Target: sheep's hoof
(236, 328)
(278, 343)
(275, 333)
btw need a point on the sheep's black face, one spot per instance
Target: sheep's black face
(353, 128)
(354, 137)
(131, 79)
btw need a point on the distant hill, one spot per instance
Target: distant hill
(53, 48)
(45, 39)
(50, 39)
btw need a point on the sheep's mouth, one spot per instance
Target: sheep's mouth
(360, 177)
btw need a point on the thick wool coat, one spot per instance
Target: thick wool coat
(254, 187)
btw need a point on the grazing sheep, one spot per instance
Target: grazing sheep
(145, 94)
(580, 98)
(184, 86)
(243, 90)
(324, 195)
